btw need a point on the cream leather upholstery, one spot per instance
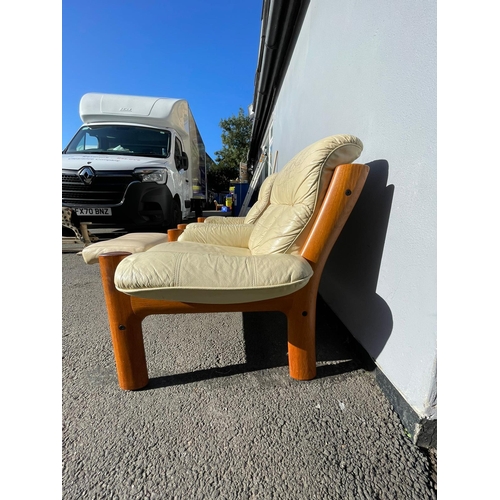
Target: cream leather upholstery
(229, 220)
(199, 273)
(218, 264)
(236, 235)
(132, 242)
(297, 194)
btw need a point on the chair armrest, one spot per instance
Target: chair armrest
(215, 219)
(132, 242)
(232, 235)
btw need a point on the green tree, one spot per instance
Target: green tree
(236, 133)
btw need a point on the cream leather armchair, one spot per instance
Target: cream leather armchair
(273, 264)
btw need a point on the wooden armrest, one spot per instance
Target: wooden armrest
(173, 234)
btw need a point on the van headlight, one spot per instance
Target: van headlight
(158, 175)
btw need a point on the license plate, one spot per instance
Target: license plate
(93, 211)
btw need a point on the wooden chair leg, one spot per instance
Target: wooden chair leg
(301, 323)
(126, 328)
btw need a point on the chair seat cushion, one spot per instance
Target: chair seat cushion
(210, 274)
(133, 243)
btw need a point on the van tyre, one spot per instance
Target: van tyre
(176, 214)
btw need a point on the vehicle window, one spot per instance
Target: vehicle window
(178, 146)
(122, 140)
(87, 142)
(178, 153)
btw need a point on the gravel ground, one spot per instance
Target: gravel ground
(221, 418)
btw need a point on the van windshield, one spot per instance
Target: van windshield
(121, 140)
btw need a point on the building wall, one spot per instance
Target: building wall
(369, 69)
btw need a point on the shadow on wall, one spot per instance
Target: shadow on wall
(349, 280)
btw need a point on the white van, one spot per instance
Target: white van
(136, 162)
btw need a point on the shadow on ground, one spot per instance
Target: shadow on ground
(265, 337)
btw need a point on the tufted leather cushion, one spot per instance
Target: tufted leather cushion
(210, 274)
(263, 200)
(297, 194)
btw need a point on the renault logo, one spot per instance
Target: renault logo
(86, 174)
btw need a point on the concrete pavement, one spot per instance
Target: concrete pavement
(221, 418)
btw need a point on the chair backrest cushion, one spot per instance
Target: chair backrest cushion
(297, 193)
(262, 201)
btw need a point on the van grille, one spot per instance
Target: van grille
(104, 190)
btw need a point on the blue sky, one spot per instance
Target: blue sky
(203, 51)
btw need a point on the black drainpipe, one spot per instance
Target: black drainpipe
(278, 26)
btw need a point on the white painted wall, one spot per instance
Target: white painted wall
(369, 69)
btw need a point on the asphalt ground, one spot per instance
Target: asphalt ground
(221, 418)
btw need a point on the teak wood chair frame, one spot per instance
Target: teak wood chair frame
(126, 312)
